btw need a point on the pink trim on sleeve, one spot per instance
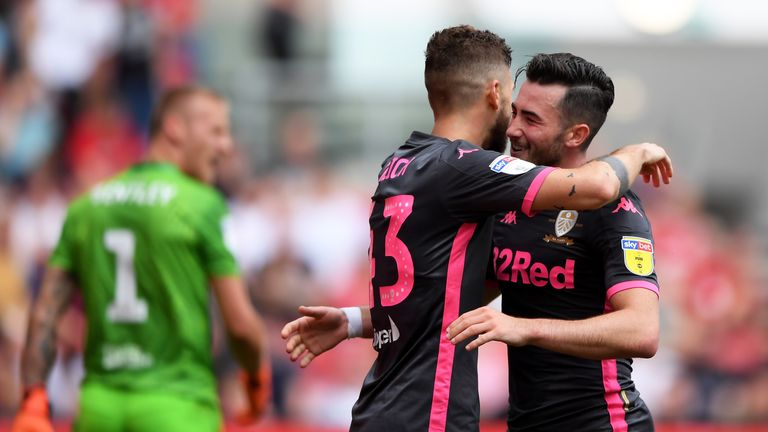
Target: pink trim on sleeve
(621, 286)
(533, 190)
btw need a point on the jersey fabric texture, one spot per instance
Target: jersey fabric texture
(566, 265)
(142, 247)
(431, 220)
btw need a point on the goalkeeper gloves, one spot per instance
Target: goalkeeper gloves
(35, 412)
(258, 390)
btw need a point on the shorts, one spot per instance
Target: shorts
(105, 409)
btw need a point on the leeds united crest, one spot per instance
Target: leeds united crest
(565, 221)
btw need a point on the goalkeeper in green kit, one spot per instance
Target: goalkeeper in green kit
(143, 248)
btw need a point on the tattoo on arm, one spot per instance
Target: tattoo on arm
(570, 175)
(573, 191)
(40, 349)
(620, 170)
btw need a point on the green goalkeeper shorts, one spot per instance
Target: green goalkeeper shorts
(105, 409)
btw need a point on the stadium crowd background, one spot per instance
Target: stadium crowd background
(321, 90)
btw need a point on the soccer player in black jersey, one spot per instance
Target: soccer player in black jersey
(579, 292)
(431, 220)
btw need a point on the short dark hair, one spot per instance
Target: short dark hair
(173, 100)
(590, 91)
(459, 61)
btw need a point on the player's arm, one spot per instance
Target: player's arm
(40, 349)
(247, 340)
(244, 327)
(321, 328)
(602, 180)
(630, 330)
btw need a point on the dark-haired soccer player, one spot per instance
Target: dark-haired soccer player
(431, 221)
(579, 292)
(142, 249)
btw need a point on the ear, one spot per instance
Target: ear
(493, 94)
(173, 128)
(576, 135)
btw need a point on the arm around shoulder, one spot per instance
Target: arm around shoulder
(601, 181)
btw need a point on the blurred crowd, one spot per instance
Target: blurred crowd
(77, 82)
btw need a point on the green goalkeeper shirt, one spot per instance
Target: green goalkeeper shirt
(142, 247)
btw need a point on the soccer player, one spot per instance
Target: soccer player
(431, 221)
(579, 292)
(142, 249)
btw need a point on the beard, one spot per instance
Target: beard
(497, 137)
(548, 153)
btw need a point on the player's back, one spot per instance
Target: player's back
(138, 247)
(430, 236)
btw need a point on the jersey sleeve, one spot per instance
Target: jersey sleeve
(218, 258)
(479, 183)
(63, 253)
(625, 239)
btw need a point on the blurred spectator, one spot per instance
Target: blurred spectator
(103, 140)
(277, 31)
(176, 49)
(71, 38)
(28, 125)
(712, 302)
(327, 224)
(135, 71)
(13, 310)
(35, 223)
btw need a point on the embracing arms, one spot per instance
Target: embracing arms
(602, 180)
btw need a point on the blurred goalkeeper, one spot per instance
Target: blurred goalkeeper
(143, 249)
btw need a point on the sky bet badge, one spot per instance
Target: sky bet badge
(638, 255)
(565, 222)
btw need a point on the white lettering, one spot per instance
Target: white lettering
(127, 356)
(155, 193)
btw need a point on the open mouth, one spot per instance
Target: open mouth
(517, 147)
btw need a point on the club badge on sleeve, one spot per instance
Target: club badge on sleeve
(638, 255)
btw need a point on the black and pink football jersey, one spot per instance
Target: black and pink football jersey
(431, 224)
(567, 265)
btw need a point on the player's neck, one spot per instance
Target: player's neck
(459, 127)
(572, 159)
(162, 152)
